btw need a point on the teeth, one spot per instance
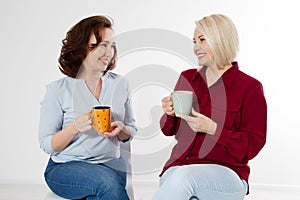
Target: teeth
(201, 55)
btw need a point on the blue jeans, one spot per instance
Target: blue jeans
(82, 180)
(201, 182)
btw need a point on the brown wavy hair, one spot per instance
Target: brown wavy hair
(75, 46)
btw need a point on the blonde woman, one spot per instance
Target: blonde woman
(227, 125)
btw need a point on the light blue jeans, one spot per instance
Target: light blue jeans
(81, 180)
(201, 182)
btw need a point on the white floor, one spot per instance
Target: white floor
(25, 192)
(41, 192)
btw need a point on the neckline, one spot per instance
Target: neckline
(83, 82)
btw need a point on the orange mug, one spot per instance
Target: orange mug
(101, 118)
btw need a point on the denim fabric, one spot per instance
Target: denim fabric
(81, 180)
(201, 181)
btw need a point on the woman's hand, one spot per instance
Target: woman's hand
(167, 105)
(200, 123)
(115, 129)
(83, 123)
(61, 139)
(118, 129)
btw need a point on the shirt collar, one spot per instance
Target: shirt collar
(227, 77)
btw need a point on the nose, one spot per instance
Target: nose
(109, 51)
(197, 47)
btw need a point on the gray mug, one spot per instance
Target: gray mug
(182, 101)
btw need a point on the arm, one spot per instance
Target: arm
(125, 128)
(62, 138)
(51, 120)
(52, 137)
(129, 121)
(129, 129)
(169, 123)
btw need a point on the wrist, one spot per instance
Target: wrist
(124, 134)
(212, 128)
(124, 138)
(74, 128)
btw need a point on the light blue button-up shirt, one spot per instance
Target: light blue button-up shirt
(68, 98)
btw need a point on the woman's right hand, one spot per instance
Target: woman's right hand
(61, 139)
(83, 123)
(167, 105)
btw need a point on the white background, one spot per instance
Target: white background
(31, 34)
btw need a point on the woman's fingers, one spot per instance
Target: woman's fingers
(116, 128)
(195, 113)
(186, 117)
(167, 105)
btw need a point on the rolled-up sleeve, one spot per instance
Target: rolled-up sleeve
(51, 118)
(169, 124)
(129, 120)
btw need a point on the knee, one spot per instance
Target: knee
(183, 176)
(182, 172)
(178, 179)
(113, 191)
(111, 185)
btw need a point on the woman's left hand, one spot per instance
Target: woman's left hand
(199, 122)
(115, 129)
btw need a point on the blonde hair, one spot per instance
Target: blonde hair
(222, 37)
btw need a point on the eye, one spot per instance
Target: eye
(92, 46)
(103, 44)
(194, 41)
(202, 39)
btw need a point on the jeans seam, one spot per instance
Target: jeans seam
(213, 190)
(68, 185)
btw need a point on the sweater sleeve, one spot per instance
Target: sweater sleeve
(51, 117)
(170, 125)
(129, 120)
(245, 142)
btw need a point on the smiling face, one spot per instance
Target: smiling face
(202, 50)
(99, 55)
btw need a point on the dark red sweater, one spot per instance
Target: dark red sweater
(237, 104)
